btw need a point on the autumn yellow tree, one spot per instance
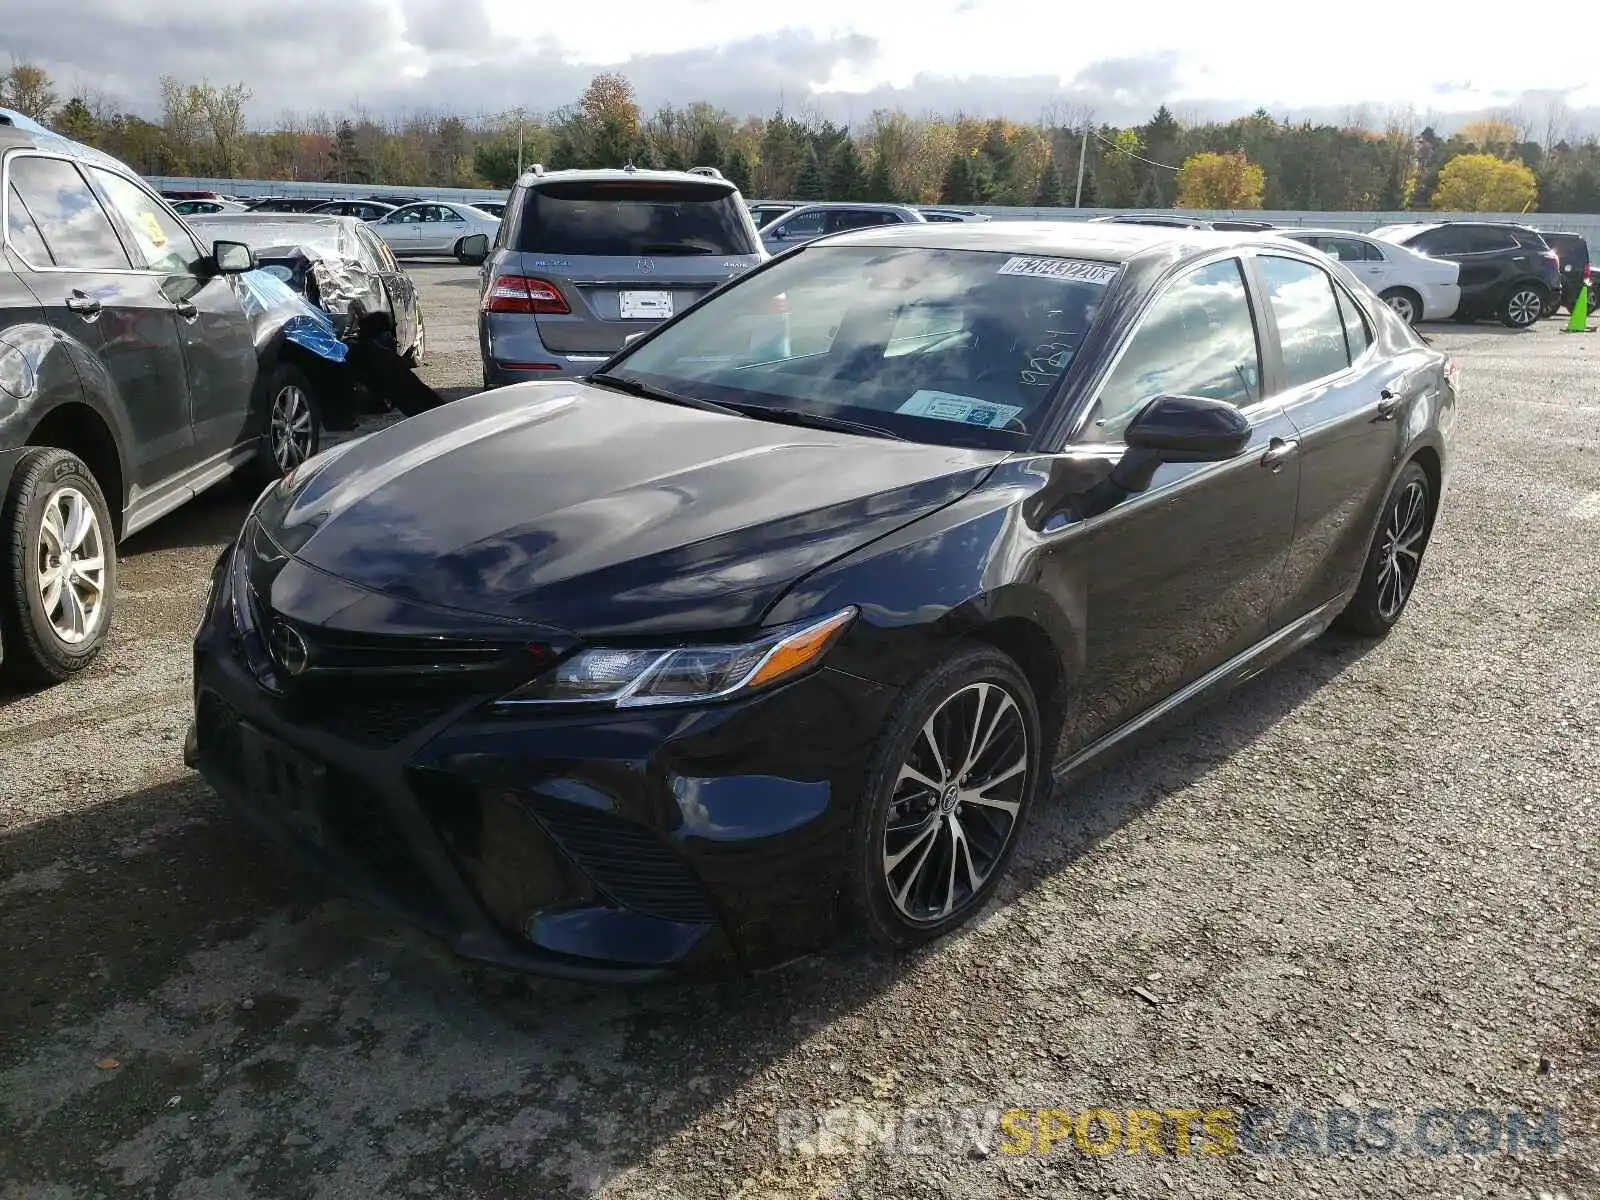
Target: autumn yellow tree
(1220, 181)
(1484, 183)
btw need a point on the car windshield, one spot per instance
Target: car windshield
(628, 218)
(954, 347)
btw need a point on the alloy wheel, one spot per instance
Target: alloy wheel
(1524, 307)
(293, 427)
(72, 566)
(1401, 554)
(1403, 308)
(956, 803)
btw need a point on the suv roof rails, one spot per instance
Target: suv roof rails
(708, 172)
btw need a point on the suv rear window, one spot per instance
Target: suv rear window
(627, 219)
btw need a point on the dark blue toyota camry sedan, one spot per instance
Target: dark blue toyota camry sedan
(784, 620)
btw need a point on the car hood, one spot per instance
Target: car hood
(578, 508)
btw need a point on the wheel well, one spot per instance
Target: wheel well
(1036, 656)
(1428, 459)
(78, 429)
(1412, 292)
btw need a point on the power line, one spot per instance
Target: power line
(1123, 149)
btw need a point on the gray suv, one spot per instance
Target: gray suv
(584, 259)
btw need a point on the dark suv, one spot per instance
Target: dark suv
(583, 259)
(1507, 271)
(136, 370)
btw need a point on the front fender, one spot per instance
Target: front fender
(945, 576)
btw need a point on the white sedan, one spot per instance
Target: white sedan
(1417, 287)
(435, 227)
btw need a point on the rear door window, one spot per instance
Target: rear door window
(68, 215)
(23, 235)
(1311, 329)
(624, 218)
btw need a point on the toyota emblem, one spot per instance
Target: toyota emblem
(290, 649)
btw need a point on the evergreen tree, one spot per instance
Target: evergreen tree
(880, 183)
(708, 151)
(1049, 193)
(846, 181)
(809, 184)
(564, 154)
(673, 160)
(737, 169)
(1090, 196)
(1000, 163)
(75, 121)
(965, 181)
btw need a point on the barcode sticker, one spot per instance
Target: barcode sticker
(1078, 269)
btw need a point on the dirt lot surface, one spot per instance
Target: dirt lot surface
(1368, 880)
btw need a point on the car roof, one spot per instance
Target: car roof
(1102, 242)
(610, 174)
(1320, 231)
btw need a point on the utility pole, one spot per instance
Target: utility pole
(1083, 153)
(519, 143)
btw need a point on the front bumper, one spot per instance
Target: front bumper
(608, 846)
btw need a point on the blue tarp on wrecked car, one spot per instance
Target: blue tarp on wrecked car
(263, 293)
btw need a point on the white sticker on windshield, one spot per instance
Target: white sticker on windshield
(947, 406)
(1061, 268)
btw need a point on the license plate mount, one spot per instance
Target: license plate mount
(282, 781)
(644, 306)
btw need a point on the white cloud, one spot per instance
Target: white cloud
(1012, 56)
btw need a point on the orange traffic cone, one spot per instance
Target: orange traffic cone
(1580, 307)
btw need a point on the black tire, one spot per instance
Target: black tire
(1395, 297)
(1523, 306)
(1372, 611)
(267, 465)
(36, 652)
(948, 691)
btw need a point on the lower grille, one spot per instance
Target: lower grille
(367, 834)
(626, 861)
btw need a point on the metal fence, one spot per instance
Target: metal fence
(1587, 224)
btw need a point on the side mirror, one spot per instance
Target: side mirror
(233, 258)
(1179, 429)
(476, 246)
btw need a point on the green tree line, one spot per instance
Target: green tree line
(1254, 161)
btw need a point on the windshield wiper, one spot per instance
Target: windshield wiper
(675, 248)
(789, 416)
(634, 387)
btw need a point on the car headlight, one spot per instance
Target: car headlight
(629, 678)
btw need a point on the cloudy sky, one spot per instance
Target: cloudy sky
(842, 58)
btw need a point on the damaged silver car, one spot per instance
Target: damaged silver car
(339, 265)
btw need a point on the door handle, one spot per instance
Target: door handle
(1278, 453)
(186, 310)
(83, 304)
(1388, 405)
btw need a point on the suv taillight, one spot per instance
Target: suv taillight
(524, 294)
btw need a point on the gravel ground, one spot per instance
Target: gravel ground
(1365, 881)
